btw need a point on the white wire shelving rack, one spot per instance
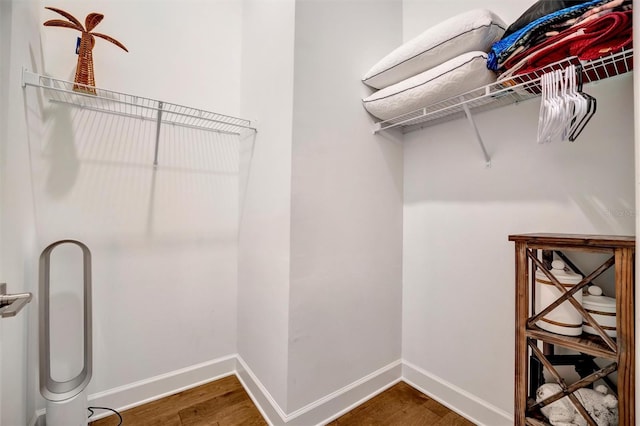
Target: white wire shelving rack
(506, 91)
(122, 104)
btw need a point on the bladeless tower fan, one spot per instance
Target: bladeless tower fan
(64, 390)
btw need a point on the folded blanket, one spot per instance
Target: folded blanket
(596, 12)
(617, 37)
(592, 39)
(526, 36)
(538, 10)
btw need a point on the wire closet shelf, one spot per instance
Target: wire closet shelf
(111, 102)
(506, 91)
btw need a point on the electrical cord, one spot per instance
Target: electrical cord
(104, 408)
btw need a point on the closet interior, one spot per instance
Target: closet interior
(250, 215)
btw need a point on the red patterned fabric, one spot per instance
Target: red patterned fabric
(604, 35)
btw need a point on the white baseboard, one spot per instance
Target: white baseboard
(144, 391)
(267, 405)
(346, 399)
(462, 402)
(325, 409)
(318, 412)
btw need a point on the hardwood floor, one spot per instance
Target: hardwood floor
(220, 403)
(401, 405)
(226, 403)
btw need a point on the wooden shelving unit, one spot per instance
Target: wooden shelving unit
(618, 352)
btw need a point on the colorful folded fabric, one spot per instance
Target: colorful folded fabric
(607, 34)
(538, 10)
(596, 12)
(502, 49)
(617, 38)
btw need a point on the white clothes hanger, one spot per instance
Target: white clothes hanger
(564, 108)
(552, 107)
(547, 107)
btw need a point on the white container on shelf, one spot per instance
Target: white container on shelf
(564, 319)
(602, 309)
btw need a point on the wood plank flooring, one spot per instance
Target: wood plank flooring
(226, 403)
(220, 403)
(401, 405)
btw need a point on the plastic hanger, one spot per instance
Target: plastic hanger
(545, 107)
(558, 109)
(590, 109)
(577, 105)
(564, 109)
(548, 107)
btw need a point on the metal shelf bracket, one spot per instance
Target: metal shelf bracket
(467, 112)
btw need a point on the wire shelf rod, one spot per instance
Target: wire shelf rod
(136, 106)
(143, 118)
(512, 89)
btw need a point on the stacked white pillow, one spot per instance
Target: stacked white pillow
(444, 61)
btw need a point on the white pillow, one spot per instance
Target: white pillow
(455, 77)
(471, 31)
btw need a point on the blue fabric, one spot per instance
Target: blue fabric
(501, 49)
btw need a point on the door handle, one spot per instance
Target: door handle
(11, 304)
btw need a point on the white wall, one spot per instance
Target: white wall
(315, 265)
(186, 52)
(264, 256)
(458, 264)
(346, 210)
(419, 15)
(164, 240)
(321, 218)
(19, 39)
